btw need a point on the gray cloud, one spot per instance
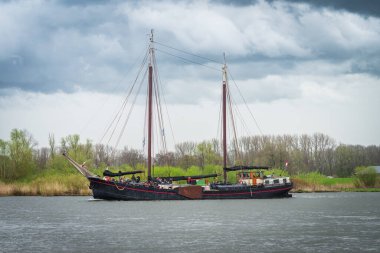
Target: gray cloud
(363, 7)
(96, 45)
(303, 66)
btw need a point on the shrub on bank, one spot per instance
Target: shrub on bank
(365, 177)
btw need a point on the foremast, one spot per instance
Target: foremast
(150, 109)
(225, 84)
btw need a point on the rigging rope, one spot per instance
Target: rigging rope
(239, 115)
(130, 111)
(245, 102)
(183, 51)
(159, 110)
(160, 125)
(231, 114)
(158, 91)
(120, 112)
(160, 86)
(96, 112)
(219, 132)
(187, 60)
(145, 131)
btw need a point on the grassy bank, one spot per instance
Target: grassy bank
(315, 182)
(59, 184)
(71, 183)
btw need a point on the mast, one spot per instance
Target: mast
(224, 120)
(150, 88)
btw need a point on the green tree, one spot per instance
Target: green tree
(4, 159)
(207, 154)
(344, 157)
(20, 154)
(52, 145)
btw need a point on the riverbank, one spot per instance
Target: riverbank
(77, 185)
(52, 185)
(309, 188)
(316, 182)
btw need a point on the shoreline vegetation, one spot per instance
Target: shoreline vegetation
(26, 170)
(74, 184)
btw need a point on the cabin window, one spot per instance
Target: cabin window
(276, 181)
(266, 181)
(284, 180)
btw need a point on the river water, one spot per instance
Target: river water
(309, 222)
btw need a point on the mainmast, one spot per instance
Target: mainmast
(150, 89)
(224, 69)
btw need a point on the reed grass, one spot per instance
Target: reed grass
(52, 185)
(316, 182)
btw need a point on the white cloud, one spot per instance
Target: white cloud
(195, 25)
(303, 69)
(272, 29)
(345, 108)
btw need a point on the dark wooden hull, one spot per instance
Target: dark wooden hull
(120, 191)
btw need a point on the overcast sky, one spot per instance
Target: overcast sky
(303, 66)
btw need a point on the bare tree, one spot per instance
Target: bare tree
(131, 157)
(165, 159)
(52, 145)
(103, 155)
(41, 157)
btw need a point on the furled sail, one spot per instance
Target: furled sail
(108, 173)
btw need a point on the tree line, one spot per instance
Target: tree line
(20, 156)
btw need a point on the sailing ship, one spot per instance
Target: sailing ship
(251, 181)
